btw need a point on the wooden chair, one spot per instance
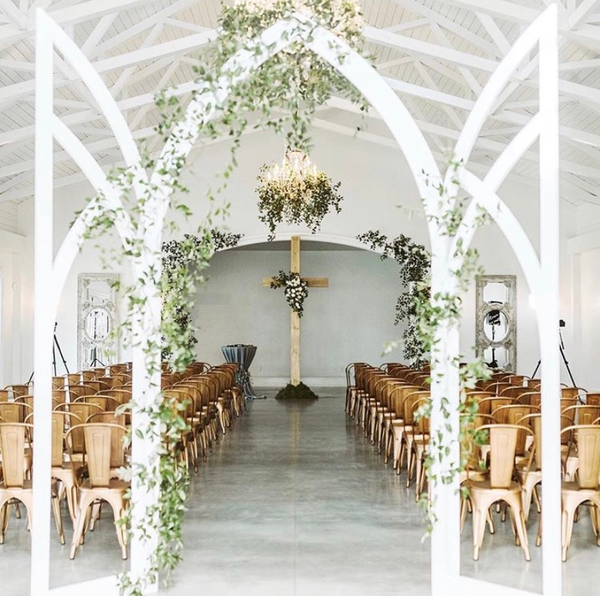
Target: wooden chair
(16, 390)
(592, 399)
(531, 477)
(574, 392)
(586, 487)
(188, 436)
(105, 402)
(420, 442)
(104, 452)
(15, 441)
(500, 485)
(14, 411)
(410, 401)
(121, 394)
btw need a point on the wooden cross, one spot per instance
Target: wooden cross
(312, 282)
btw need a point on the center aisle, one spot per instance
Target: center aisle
(291, 503)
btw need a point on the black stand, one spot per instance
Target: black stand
(55, 346)
(561, 347)
(95, 361)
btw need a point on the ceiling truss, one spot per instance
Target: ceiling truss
(436, 54)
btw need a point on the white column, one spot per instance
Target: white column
(44, 313)
(548, 311)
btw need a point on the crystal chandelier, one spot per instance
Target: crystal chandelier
(294, 169)
(295, 192)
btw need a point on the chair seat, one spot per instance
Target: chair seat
(114, 484)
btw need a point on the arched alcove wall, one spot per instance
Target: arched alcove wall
(371, 175)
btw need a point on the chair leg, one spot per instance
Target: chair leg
(479, 518)
(79, 526)
(58, 518)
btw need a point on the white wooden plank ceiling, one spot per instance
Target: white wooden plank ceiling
(437, 54)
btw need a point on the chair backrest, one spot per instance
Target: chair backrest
(533, 398)
(592, 399)
(105, 402)
(588, 450)
(61, 422)
(183, 396)
(104, 450)
(410, 399)
(58, 382)
(25, 399)
(534, 421)
(83, 411)
(16, 390)
(514, 391)
(574, 392)
(11, 411)
(123, 396)
(397, 396)
(421, 423)
(503, 444)
(123, 419)
(13, 438)
(512, 413)
(488, 405)
(582, 414)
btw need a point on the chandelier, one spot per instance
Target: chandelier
(295, 192)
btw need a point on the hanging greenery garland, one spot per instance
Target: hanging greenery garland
(295, 192)
(414, 268)
(183, 263)
(282, 95)
(295, 289)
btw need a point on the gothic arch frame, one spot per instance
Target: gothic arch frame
(541, 274)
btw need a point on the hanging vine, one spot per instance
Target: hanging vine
(282, 95)
(414, 269)
(183, 263)
(440, 313)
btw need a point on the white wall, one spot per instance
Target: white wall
(12, 248)
(349, 321)
(379, 193)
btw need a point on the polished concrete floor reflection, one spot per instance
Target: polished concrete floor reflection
(294, 502)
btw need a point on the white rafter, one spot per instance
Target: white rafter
(436, 63)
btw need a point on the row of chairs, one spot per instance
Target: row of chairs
(391, 405)
(88, 446)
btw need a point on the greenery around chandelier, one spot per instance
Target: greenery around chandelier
(295, 289)
(295, 192)
(414, 268)
(282, 95)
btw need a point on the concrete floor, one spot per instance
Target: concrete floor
(294, 502)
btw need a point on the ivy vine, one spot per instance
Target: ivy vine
(282, 95)
(183, 263)
(414, 269)
(439, 313)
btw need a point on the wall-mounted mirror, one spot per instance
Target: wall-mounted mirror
(96, 319)
(496, 321)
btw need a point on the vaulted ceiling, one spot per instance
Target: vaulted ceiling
(436, 54)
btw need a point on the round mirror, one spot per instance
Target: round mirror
(97, 324)
(495, 325)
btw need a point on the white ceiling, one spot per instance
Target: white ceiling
(437, 54)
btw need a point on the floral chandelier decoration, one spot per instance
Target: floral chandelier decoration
(295, 288)
(295, 192)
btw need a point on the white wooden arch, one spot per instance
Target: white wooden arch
(50, 274)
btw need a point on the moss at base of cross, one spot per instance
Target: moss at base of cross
(300, 391)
